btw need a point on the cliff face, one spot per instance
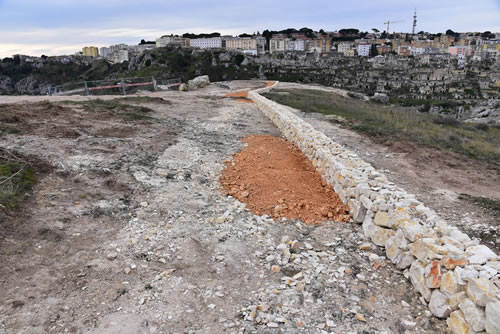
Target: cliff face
(436, 84)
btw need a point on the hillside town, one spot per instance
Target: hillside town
(466, 47)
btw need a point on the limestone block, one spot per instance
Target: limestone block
(451, 261)
(449, 283)
(456, 322)
(464, 274)
(358, 211)
(369, 228)
(479, 254)
(492, 324)
(381, 235)
(422, 250)
(481, 291)
(456, 299)
(449, 240)
(406, 259)
(395, 245)
(433, 275)
(438, 305)
(412, 230)
(473, 314)
(417, 272)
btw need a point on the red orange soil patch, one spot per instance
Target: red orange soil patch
(272, 176)
(243, 94)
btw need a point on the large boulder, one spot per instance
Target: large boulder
(198, 82)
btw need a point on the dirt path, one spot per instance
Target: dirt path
(131, 233)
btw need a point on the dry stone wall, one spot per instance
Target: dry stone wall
(457, 277)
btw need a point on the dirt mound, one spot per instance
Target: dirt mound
(272, 176)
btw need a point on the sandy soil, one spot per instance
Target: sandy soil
(128, 231)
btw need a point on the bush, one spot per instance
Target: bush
(448, 121)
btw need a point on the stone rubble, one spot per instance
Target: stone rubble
(412, 234)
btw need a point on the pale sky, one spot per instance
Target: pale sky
(55, 27)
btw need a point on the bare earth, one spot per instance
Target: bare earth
(128, 230)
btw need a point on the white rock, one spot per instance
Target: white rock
(473, 314)
(449, 283)
(449, 240)
(481, 291)
(492, 324)
(369, 228)
(417, 271)
(405, 261)
(459, 236)
(463, 275)
(358, 211)
(438, 304)
(479, 254)
(381, 235)
(456, 322)
(412, 230)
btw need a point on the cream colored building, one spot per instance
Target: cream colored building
(276, 45)
(90, 51)
(241, 43)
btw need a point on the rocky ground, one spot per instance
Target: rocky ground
(129, 232)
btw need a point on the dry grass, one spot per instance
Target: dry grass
(477, 141)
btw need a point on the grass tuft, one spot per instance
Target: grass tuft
(15, 180)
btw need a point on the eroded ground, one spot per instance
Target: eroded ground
(128, 231)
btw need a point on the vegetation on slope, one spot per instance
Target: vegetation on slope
(478, 141)
(16, 179)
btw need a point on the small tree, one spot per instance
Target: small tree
(373, 50)
(375, 30)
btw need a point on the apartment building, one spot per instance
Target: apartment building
(172, 40)
(320, 45)
(90, 51)
(342, 47)
(206, 43)
(295, 45)
(104, 52)
(364, 49)
(276, 45)
(237, 43)
(459, 50)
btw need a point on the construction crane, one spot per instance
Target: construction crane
(389, 22)
(414, 22)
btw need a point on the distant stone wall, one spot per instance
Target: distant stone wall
(457, 277)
